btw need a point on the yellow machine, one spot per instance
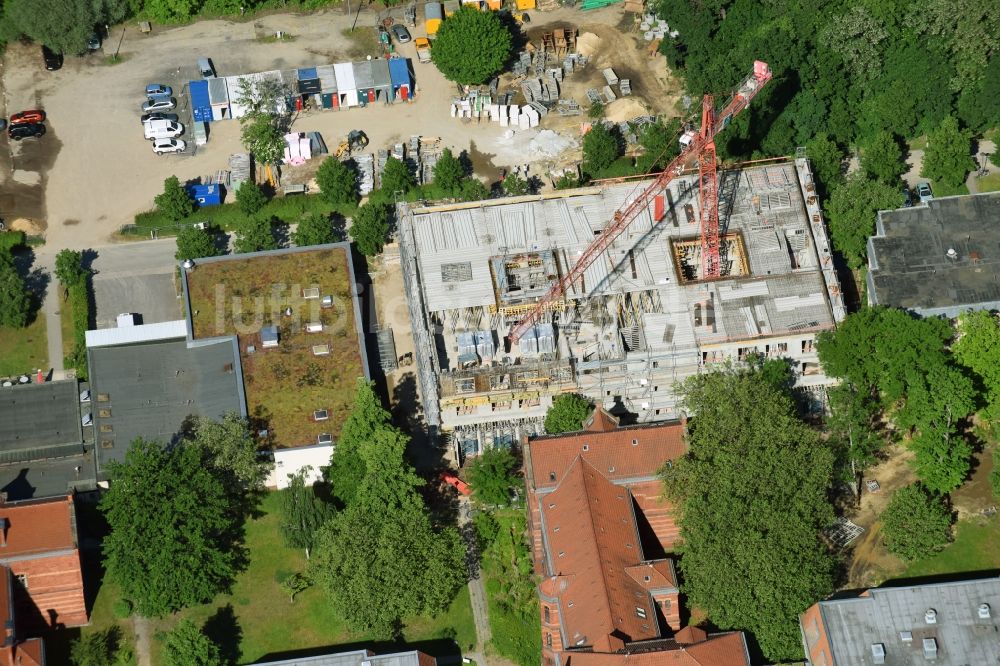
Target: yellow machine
(355, 140)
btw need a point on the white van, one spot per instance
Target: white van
(162, 129)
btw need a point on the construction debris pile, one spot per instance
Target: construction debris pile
(420, 155)
(654, 28)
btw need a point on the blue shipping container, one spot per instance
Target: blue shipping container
(201, 105)
(402, 82)
(205, 195)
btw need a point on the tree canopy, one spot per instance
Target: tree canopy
(370, 227)
(193, 243)
(601, 146)
(882, 157)
(948, 156)
(338, 181)
(449, 173)
(187, 645)
(250, 198)
(567, 413)
(303, 513)
(493, 476)
(69, 268)
(347, 466)
(396, 177)
(168, 513)
(978, 350)
(315, 229)
(915, 523)
(471, 46)
(174, 202)
(15, 302)
(752, 497)
(852, 209)
(254, 234)
(62, 25)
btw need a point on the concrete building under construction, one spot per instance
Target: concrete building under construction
(641, 319)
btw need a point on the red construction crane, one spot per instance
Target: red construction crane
(702, 147)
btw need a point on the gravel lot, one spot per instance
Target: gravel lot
(93, 170)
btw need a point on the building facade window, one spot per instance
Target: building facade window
(545, 612)
(22, 580)
(548, 639)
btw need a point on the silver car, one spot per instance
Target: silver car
(159, 104)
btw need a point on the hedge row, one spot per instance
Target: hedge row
(79, 300)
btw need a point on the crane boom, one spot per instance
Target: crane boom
(624, 216)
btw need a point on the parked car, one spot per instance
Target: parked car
(162, 129)
(158, 104)
(161, 146)
(53, 60)
(924, 192)
(205, 68)
(147, 117)
(400, 32)
(158, 90)
(27, 117)
(907, 197)
(94, 41)
(18, 132)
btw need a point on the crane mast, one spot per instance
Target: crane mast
(702, 146)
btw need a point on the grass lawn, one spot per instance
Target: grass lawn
(24, 350)
(974, 549)
(287, 384)
(66, 323)
(268, 624)
(990, 183)
(942, 190)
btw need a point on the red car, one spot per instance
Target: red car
(459, 485)
(26, 117)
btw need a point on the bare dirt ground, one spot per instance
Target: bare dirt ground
(93, 171)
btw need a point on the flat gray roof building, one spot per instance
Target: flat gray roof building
(149, 389)
(358, 658)
(937, 259)
(947, 624)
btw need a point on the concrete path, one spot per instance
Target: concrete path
(477, 591)
(143, 651)
(982, 163)
(46, 261)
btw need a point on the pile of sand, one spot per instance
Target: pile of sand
(587, 44)
(29, 227)
(624, 109)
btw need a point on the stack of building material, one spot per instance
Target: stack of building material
(608, 94)
(415, 144)
(399, 151)
(520, 68)
(540, 109)
(239, 170)
(568, 107)
(594, 96)
(381, 157)
(625, 87)
(428, 159)
(610, 76)
(654, 28)
(366, 173)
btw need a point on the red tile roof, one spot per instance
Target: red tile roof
(600, 421)
(592, 542)
(623, 453)
(718, 650)
(12, 652)
(37, 526)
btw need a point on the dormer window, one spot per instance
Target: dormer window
(552, 476)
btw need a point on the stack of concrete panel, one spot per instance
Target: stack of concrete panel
(239, 170)
(625, 87)
(381, 157)
(366, 173)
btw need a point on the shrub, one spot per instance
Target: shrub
(916, 523)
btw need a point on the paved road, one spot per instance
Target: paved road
(45, 260)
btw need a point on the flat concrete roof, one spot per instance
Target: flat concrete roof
(894, 617)
(48, 478)
(909, 260)
(148, 390)
(35, 418)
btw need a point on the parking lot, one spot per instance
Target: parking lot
(94, 170)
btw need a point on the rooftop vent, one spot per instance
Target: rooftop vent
(878, 653)
(906, 636)
(951, 253)
(324, 438)
(930, 648)
(930, 617)
(984, 611)
(321, 414)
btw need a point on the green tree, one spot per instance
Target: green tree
(978, 350)
(567, 181)
(187, 645)
(915, 523)
(315, 229)
(303, 513)
(882, 158)
(262, 135)
(449, 173)
(601, 147)
(254, 234)
(297, 582)
(168, 513)
(567, 413)
(15, 303)
(473, 189)
(379, 559)
(62, 25)
(228, 449)
(69, 268)
(596, 111)
(347, 467)
(852, 424)
(659, 143)
(948, 156)
(515, 186)
(174, 203)
(396, 177)
(194, 243)
(852, 209)
(826, 158)
(101, 648)
(746, 448)
(338, 181)
(250, 198)
(492, 476)
(371, 227)
(471, 46)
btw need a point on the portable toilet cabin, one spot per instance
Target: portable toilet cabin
(308, 85)
(218, 97)
(402, 82)
(201, 105)
(328, 87)
(364, 81)
(383, 80)
(347, 90)
(205, 195)
(433, 14)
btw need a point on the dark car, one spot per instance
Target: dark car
(18, 132)
(53, 60)
(158, 116)
(400, 32)
(907, 197)
(94, 41)
(27, 117)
